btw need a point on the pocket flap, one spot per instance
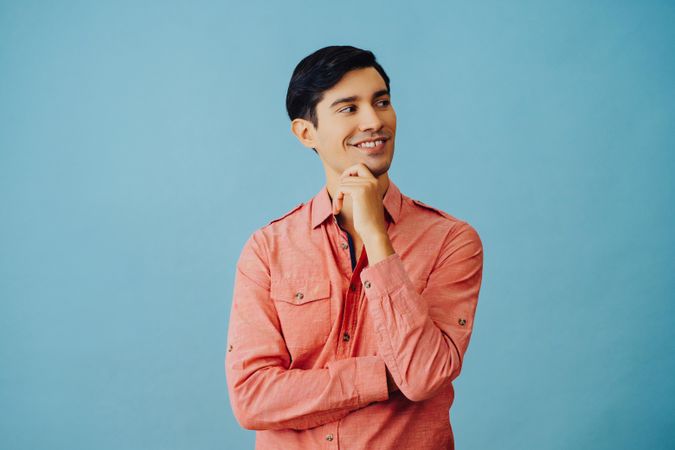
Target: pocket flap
(299, 291)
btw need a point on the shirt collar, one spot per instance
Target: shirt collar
(322, 205)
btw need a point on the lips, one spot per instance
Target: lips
(372, 150)
(382, 138)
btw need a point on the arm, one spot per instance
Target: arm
(264, 393)
(423, 337)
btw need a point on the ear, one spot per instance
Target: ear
(304, 131)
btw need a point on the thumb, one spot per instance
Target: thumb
(337, 202)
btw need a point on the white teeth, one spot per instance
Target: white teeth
(369, 144)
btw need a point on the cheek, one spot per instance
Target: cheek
(342, 135)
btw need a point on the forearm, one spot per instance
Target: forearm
(276, 398)
(425, 353)
(419, 357)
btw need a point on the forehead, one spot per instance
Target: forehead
(362, 82)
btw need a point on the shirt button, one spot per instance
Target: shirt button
(344, 245)
(345, 337)
(461, 321)
(329, 437)
(299, 295)
(366, 283)
(352, 287)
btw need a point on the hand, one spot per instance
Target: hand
(360, 185)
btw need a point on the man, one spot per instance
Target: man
(352, 312)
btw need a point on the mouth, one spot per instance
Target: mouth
(372, 147)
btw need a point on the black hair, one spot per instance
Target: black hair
(320, 71)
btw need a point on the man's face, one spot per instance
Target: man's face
(358, 108)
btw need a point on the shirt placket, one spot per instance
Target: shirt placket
(354, 291)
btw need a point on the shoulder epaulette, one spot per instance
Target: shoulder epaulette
(286, 214)
(439, 211)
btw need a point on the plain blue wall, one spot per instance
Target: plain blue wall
(141, 143)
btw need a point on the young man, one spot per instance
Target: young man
(352, 312)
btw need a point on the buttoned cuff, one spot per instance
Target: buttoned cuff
(371, 380)
(385, 277)
(366, 376)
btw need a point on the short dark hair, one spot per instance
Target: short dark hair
(320, 71)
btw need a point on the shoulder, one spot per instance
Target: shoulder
(437, 211)
(258, 240)
(454, 225)
(286, 215)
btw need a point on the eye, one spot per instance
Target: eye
(385, 103)
(347, 107)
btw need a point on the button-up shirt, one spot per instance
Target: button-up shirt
(312, 329)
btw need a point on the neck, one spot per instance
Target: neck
(346, 217)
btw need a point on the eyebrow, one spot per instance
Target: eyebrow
(356, 97)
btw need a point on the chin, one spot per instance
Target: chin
(377, 169)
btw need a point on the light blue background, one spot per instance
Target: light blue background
(141, 143)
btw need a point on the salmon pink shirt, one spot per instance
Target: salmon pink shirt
(312, 329)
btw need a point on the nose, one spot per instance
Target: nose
(369, 119)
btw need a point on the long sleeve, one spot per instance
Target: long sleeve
(264, 393)
(423, 337)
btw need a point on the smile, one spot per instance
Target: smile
(371, 144)
(371, 147)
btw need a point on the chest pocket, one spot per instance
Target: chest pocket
(303, 305)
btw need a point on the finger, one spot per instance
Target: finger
(359, 169)
(347, 177)
(337, 202)
(355, 181)
(341, 191)
(349, 173)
